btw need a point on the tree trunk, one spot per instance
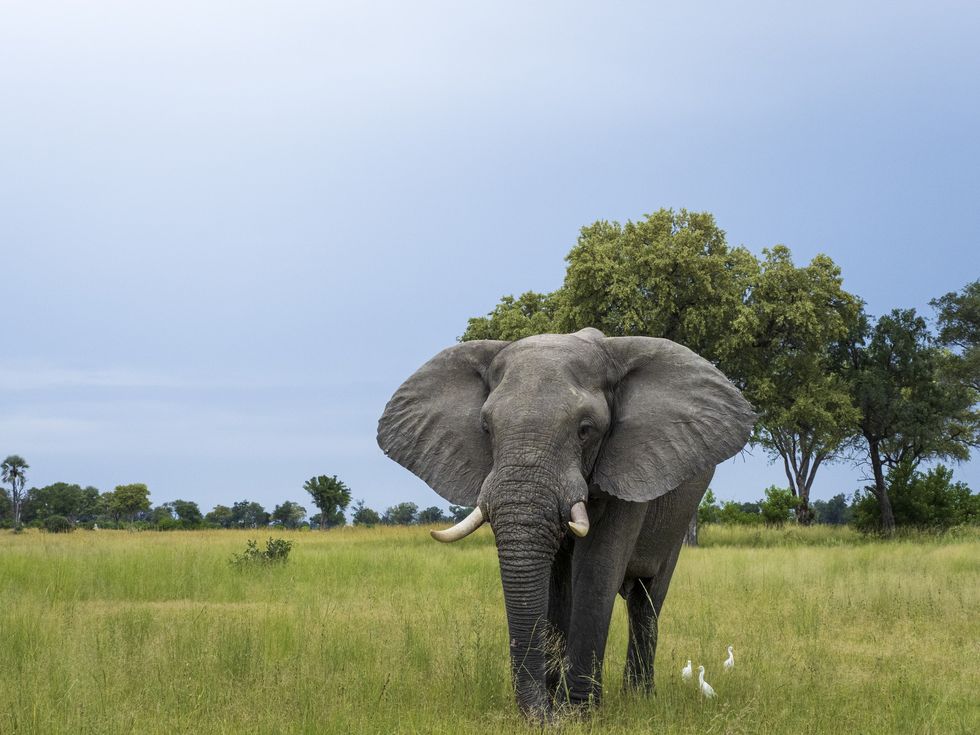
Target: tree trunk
(18, 501)
(804, 513)
(691, 537)
(881, 491)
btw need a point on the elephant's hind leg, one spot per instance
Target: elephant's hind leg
(643, 605)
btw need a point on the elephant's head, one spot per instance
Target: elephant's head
(522, 430)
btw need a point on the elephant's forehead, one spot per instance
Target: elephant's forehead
(550, 357)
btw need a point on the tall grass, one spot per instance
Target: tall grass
(382, 630)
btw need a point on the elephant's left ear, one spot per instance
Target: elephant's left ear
(674, 415)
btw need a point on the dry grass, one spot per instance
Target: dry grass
(382, 630)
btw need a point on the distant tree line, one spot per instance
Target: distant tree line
(64, 506)
(922, 500)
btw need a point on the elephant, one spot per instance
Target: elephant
(588, 455)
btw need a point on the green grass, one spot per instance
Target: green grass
(383, 630)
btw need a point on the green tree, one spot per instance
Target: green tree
(221, 515)
(249, 514)
(531, 313)
(188, 513)
(403, 514)
(432, 514)
(925, 500)
(770, 326)
(13, 471)
(331, 496)
(162, 517)
(65, 499)
(129, 500)
(958, 319)
(778, 506)
(364, 516)
(791, 370)
(670, 275)
(288, 514)
(907, 411)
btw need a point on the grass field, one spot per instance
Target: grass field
(383, 630)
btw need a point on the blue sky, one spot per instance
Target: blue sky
(229, 230)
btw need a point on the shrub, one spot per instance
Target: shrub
(276, 552)
(364, 516)
(778, 505)
(58, 524)
(923, 500)
(732, 513)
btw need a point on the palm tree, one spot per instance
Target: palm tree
(13, 468)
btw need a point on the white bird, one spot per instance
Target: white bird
(706, 690)
(730, 661)
(687, 673)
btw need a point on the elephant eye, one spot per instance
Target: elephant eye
(484, 426)
(584, 429)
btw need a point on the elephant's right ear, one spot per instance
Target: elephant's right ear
(431, 425)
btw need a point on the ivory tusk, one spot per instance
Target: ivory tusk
(464, 528)
(580, 520)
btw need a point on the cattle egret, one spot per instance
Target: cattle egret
(687, 673)
(706, 690)
(730, 661)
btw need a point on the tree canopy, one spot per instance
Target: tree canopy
(288, 514)
(790, 371)
(769, 325)
(958, 319)
(907, 412)
(128, 500)
(331, 496)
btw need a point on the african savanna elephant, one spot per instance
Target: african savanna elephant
(588, 456)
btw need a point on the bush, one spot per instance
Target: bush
(364, 516)
(922, 500)
(732, 513)
(58, 524)
(778, 505)
(276, 552)
(403, 514)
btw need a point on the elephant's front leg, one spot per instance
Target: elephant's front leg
(598, 566)
(559, 616)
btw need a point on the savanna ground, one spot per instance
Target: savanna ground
(383, 630)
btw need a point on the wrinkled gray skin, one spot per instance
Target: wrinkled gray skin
(634, 426)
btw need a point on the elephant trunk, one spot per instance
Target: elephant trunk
(527, 531)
